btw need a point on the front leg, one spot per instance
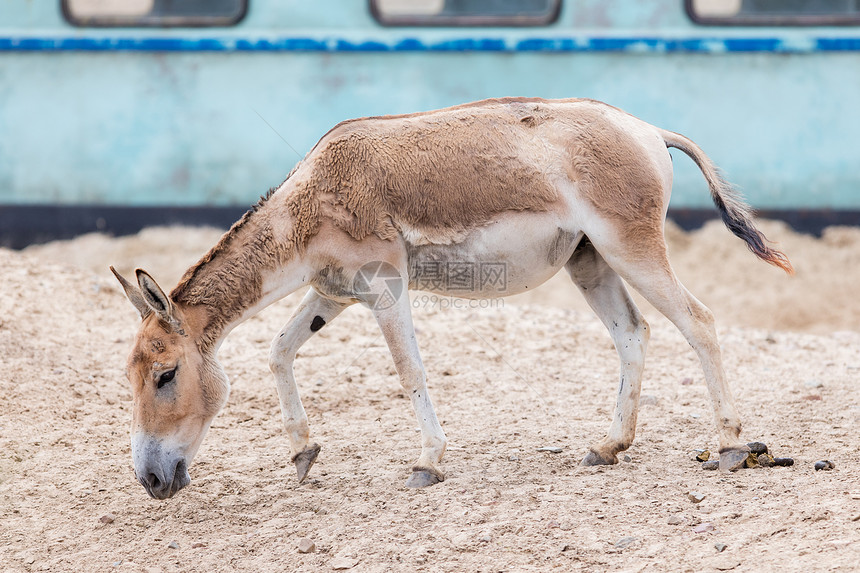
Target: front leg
(313, 313)
(395, 321)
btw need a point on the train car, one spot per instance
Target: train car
(117, 114)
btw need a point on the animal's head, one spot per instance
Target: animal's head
(177, 387)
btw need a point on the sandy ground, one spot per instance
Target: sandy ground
(539, 371)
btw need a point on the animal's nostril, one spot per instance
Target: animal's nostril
(153, 481)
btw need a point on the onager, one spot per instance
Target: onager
(380, 202)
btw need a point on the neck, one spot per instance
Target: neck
(256, 263)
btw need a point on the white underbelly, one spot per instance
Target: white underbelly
(515, 253)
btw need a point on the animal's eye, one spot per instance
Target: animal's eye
(166, 377)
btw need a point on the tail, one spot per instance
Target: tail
(736, 214)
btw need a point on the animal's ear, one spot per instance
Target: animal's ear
(134, 295)
(155, 297)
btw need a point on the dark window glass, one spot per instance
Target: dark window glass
(774, 12)
(154, 12)
(465, 12)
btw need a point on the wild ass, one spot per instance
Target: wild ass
(531, 184)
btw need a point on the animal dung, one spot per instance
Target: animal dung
(825, 465)
(757, 447)
(759, 457)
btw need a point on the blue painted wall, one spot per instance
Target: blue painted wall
(197, 116)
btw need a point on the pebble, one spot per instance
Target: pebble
(783, 462)
(686, 381)
(173, 545)
(813, 384)
(306, 545)
(757, 447)
(711, 465)
(704, 527)
(720, 547)
(341, 563)
(826, 465)
(675, 520)
(197, 545)
(627, 458)
(550, 449)
(625, 542)
(107, 518)
(695, 496)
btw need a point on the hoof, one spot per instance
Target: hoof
(732, 459)
(305, 459)
(422, 477)
(595, 459)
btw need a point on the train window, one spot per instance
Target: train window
(154, 12)
(465, 12)
(774, 12)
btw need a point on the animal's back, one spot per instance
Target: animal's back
(445, 171)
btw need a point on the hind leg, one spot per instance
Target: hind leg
(645, 266)
(608, 297)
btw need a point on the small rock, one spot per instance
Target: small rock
(711, 465)
(485, 539)
(813, 384)
(341, 563)
(625, 542)
(686, 381)
(568, 547)
(552, 524)
(701, 455)
(107, 518)
(704, 527)
(757, 447)
(720, 547)
(550, 449)
(695, 496)
(826, 465)
(627, 458)
(513, 458)
(197, 545)
(770, 338)
(783, 462)
(727, 565)
(306, 545)
(812, 397)
(675, 520)
(173, 545)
